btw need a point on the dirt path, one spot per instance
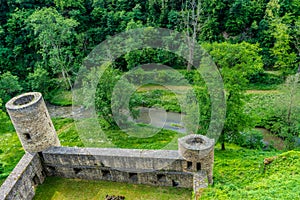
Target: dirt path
(262, 92)
(159, 87)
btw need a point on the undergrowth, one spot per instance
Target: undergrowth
(241, 174)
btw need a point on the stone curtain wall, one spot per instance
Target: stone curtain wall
(23, 179)
(152, 167)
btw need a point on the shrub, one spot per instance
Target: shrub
(262, 77)
(251, 139)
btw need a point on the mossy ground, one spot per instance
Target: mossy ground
(73, 189)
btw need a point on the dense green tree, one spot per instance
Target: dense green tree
(55, 34)
(237, 120)
(62, 4)
(237, 62)
(243, 57)
(9, 86)
(202, 108)
(40, 81)
(18, 55)
(278, 21)
(296, 40)
(284, 57)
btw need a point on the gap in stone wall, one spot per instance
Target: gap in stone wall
(175, 183)
(77, 170)
(133, 177)
(161, 178)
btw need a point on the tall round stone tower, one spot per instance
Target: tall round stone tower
(198, 151)
(32, 122)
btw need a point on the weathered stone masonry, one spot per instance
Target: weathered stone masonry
(189, 167)
(22, 180)
(30, 117)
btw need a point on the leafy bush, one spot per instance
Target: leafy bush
(157, 98)
(264, 81)
(5, 124)
(251, 139)
(262, 77)
(147, 55)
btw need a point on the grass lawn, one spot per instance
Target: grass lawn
(68, 189)
(68, 136)
(61, 98)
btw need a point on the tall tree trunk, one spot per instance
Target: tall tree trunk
(223, 146)
(192, 28)
(222, 139)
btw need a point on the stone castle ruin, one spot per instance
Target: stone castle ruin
(189, 167)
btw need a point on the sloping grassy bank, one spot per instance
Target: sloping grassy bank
(242, 174)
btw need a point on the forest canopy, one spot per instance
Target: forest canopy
(42, 44)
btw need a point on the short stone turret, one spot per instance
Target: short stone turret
(198, 151)
(32, 122)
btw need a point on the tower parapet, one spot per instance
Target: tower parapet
(198, 151)
(32, 122)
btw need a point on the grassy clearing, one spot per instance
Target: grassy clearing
(262, 92)
(67, 132)
(11, 150)
(158, 141)
(264, 87)
(69, 136)
(68, 189)
(150, 87)
(61, 98)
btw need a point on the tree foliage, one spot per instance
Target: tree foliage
(54, 34)
(9, 86)
(237, 63)
(43, 43)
